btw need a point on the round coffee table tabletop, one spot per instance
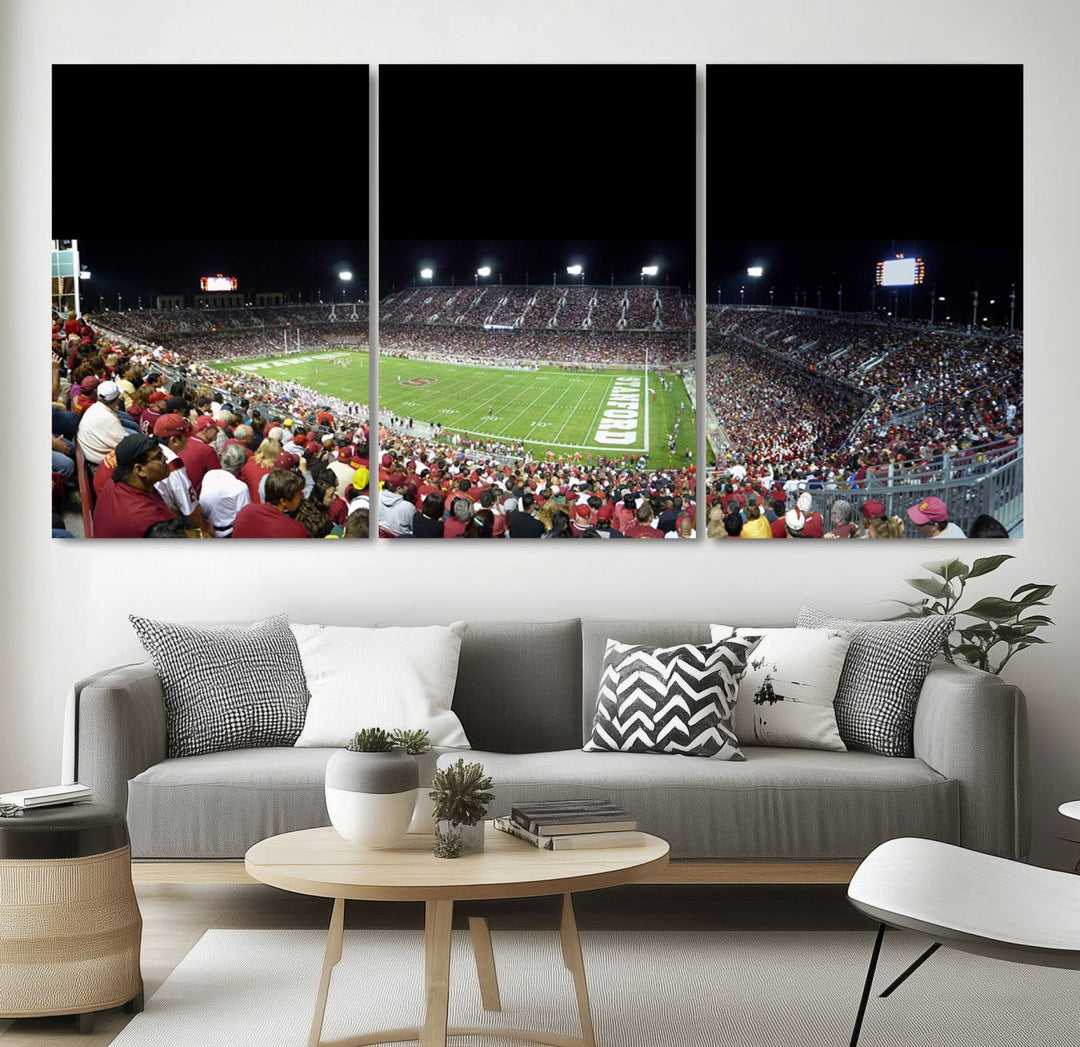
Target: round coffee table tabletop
(319, 862)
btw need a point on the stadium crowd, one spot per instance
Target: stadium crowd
(172, 449)
(835, 400)
(564, 307)
(433, 489)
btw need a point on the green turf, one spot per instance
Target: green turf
(547, 409)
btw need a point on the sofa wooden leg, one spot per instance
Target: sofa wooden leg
(135, 1004)
(84, 1023)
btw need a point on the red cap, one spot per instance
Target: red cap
(158, 396)
(873, 508)
(286, 460)
(89, 383)
(171, 425)
(929, 510)
(204, 422)
(313, 447)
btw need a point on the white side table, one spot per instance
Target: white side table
(1072, 810)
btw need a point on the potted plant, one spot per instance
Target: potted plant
(460, 794)
(371, 786)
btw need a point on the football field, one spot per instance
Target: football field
(609, 412)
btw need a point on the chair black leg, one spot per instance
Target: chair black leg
(84, 1023)
(913, 968)
(869, 985)
(135, 1004)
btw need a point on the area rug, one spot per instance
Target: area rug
(650, 989)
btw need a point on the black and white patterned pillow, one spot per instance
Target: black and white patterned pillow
(227, 687)
(883, 675)
(670, 699)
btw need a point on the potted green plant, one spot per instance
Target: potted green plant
(460, 794)
(1002, 627)
(372, 785)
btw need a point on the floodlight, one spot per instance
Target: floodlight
(755, 270)
(427, 274)
(84, 274)
(650, 270)
(484, 270)
(345, 275)
(574, 270)
(941, 298)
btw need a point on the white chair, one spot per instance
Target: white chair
(969, 901)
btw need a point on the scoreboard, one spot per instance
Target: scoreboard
(217, 283)
(900, 272)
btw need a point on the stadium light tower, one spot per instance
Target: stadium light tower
(576, 270)
(427, 274)
(481, 273)
(344, 276)
(754, 272)
(649, 270)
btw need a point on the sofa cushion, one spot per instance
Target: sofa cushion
(594, 638)
(519, 685)
(219, 804)
(780, 804)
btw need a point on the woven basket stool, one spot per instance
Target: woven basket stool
(70, 927)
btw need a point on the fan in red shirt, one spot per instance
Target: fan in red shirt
(284, 492)
(128, 504)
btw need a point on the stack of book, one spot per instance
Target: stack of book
(566, 825)
(50, 796)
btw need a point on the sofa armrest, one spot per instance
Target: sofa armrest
(971, 726)
(115, 730)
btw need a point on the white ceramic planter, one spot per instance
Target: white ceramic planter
(371, 797)
(423, 819)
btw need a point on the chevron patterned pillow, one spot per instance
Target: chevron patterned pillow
(670, 699)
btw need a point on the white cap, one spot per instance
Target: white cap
(108, 391)
(805, 502)
(794, 520)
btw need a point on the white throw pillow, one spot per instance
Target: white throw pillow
(389, 678)
(786, 694)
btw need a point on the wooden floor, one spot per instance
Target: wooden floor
(176, 915)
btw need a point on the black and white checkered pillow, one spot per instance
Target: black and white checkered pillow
(227, 687)
(883, 675)
(670, 699)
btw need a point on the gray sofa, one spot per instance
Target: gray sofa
(525, 694)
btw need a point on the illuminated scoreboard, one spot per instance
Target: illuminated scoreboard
(217, 283)
(900, 272)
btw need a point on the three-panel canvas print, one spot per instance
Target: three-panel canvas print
(465, 303)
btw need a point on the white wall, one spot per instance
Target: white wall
(65, 602)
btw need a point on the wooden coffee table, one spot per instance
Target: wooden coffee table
(319, 862)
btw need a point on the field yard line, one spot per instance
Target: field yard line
(510, 382)
(648, 442)
(570, 416)
(464, 381)
(469, 400)
(529, 404)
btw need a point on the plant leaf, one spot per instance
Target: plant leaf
(1037, 619)
(949, 569)
(930, 586)
(1035, 593)
(986, 564)
(981, 629)
(993, 609)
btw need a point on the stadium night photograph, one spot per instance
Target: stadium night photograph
(210, 389)
(537, 356)
(864, 370)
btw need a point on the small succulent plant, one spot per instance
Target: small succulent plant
(371, 740)
(415, 743)
(460, 793)
(447, 843)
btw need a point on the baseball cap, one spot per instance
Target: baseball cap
(794, 520)
(285, 460)
(89, 383)
(132, 447)
(171, 425)
(108, 391)
(360, 478)
(929, 510)
(873, 508)
(204, 422)
(313, 447)
(805, 502)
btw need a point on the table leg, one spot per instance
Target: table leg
(485, 963)
(571, 950)
(439, 917)
(330, 959)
